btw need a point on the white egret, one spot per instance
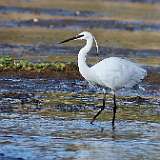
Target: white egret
(114, 73)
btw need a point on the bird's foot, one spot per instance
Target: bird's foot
(113, 127)
(92, 121)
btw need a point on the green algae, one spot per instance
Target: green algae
(72, 104)
(57, 68)
(7, 62)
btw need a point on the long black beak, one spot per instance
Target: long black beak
(69, 39)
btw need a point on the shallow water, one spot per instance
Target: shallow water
(83, 24)
(35, 137)
(50, 119)
(42, 51)
(49, 11)
(73, 23)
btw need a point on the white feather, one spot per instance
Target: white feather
(117, 73)
(113, 72)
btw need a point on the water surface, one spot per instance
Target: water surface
(50, 119)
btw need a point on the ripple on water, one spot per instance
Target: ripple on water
(51, 85)
(66, 133)
(35, 137)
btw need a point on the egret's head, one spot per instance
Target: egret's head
(82, 36)
(85, 35)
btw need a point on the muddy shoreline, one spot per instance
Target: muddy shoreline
(67, 73)
(19, 50)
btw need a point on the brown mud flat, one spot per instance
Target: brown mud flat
(46, 73)
(67, 73)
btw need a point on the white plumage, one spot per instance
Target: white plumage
(117, 73)
(114, 73)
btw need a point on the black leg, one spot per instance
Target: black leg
(114, 110)
(102, 108)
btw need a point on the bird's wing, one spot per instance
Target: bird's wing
(117, 73)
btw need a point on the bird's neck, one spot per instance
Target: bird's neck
(83, 67)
